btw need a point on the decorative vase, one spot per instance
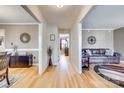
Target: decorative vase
(49, 52)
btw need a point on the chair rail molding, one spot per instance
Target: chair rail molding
(23, 49)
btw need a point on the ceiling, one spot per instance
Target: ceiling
(104, 17)
(63, 17)
(14, 14)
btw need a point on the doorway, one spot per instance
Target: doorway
(64, 44)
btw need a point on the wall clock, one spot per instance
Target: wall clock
(91, 40)
(25, 37)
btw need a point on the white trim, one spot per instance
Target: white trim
(79, 47)
(23, 49)
(40, 31)
(98, 29)
(19, 23)
(121, 61)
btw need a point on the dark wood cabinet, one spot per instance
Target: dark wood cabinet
(66, 51)
(21, 61)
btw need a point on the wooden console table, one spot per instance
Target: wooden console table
(20, 61)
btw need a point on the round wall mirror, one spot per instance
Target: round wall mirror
(25, 37)
(91, 40)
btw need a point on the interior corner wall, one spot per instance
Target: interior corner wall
(45, 42)
(119, 42)
(52, 32)
(46, 30)
(75, 46)
(104, 39)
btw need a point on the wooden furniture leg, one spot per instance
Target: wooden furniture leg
(7, 77)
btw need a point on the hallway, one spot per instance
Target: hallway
(61, 76)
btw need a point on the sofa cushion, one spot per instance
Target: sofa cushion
(102, 51)
(89, 52)
(108, 52)
(97, 55)
(95, 51)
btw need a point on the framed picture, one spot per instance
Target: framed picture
(52, 37)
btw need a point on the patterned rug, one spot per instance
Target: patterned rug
(111, 73)
(12, 80)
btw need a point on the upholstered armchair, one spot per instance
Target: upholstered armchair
(4, 63)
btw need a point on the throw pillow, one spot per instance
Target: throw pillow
(109, 52)
(89, 52)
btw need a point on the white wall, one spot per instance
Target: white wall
(119, 42)
(12, 35)
(44, 35)
(75, 46)
(13, 32)
(104, 39)
(53, 29)
(104, 17)
(40, 31)
(44, 59)
(76, 39)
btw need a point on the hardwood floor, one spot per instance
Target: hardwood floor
(61, 76)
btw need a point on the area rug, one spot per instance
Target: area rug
(12, 79)
(112, 73)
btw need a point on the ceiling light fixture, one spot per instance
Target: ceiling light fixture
(59, 6)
